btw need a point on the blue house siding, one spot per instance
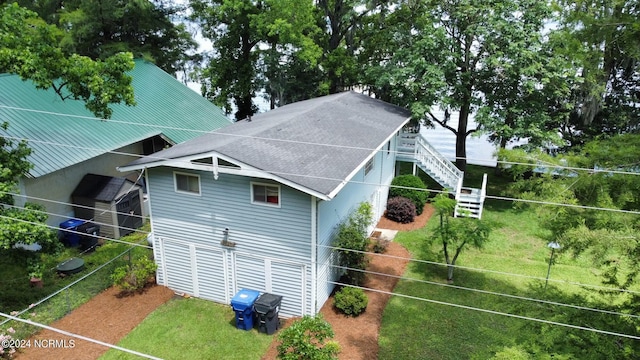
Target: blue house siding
(272, 249)
(371, 188)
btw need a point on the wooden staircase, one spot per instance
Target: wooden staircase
(413, 147)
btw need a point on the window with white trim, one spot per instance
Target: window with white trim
(265, 194)
(368, 166)
(187, 183)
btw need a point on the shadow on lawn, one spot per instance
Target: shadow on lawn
(481, 293)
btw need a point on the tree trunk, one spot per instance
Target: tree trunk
(461, 136)
(450, 268)
(244, 95)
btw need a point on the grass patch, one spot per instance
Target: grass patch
(17, 294)
(192, 329)
(416, 329)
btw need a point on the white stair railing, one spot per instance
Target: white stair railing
(483, 194)
(436, 165)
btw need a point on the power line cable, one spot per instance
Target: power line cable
(531, 201)
(540, 163)
(480, 269)
(65, 203)
(75, 232)
(90, 220)
(488, 292)
(431, 190)
(77, 336)
(493, 312)
(70, 285)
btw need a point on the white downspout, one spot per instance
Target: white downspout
(314, 255)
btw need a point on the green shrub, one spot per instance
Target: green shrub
(353, 257)
(134, 277)
(401, 209)
(308, 339)
(400, 187)
(353, 237)
(351, 301)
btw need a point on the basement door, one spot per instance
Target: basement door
(195, 270)
(217, 274)
(273, 276)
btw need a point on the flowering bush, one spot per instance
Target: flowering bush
(7, 348)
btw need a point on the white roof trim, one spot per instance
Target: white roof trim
(245, 170)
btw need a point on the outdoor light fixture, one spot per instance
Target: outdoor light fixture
(225, 238)
(553, 246)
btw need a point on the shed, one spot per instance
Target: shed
(112, 202)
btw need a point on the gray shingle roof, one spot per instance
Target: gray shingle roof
(315, 143)
(64, 133)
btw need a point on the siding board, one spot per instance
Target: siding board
(210, 274)
(332, 213)
(179, 272)
(259, 232)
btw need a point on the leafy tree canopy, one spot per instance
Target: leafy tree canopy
(30, 49)
(469, 56)
(608, 237)
(239, 29)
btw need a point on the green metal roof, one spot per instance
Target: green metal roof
(64, 133)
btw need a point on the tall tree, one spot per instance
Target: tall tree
(238, 30)
(339, 45)
(456, 234)
(30, 48)
(604, 38)
(99, 29)
(449, 51)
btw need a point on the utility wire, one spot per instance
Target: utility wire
(77, 336)
(90, 220)
(65, 203)
(490, 311)
(75, 232)
(540, 202)
(488, 292)
(479, 269)
(71, 284)
(539, 163)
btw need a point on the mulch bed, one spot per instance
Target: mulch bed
(106, 317)
(419, 222)
(358, 336)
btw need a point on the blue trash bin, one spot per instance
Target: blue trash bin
(242, 304)
(66, 235)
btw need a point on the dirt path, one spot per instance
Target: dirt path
(358, 337)
(105, 317)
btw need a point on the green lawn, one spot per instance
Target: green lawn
(417, 329)
(192, 329)
(17, 294)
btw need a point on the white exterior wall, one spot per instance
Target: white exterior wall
(372, 188)
(272, 251)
